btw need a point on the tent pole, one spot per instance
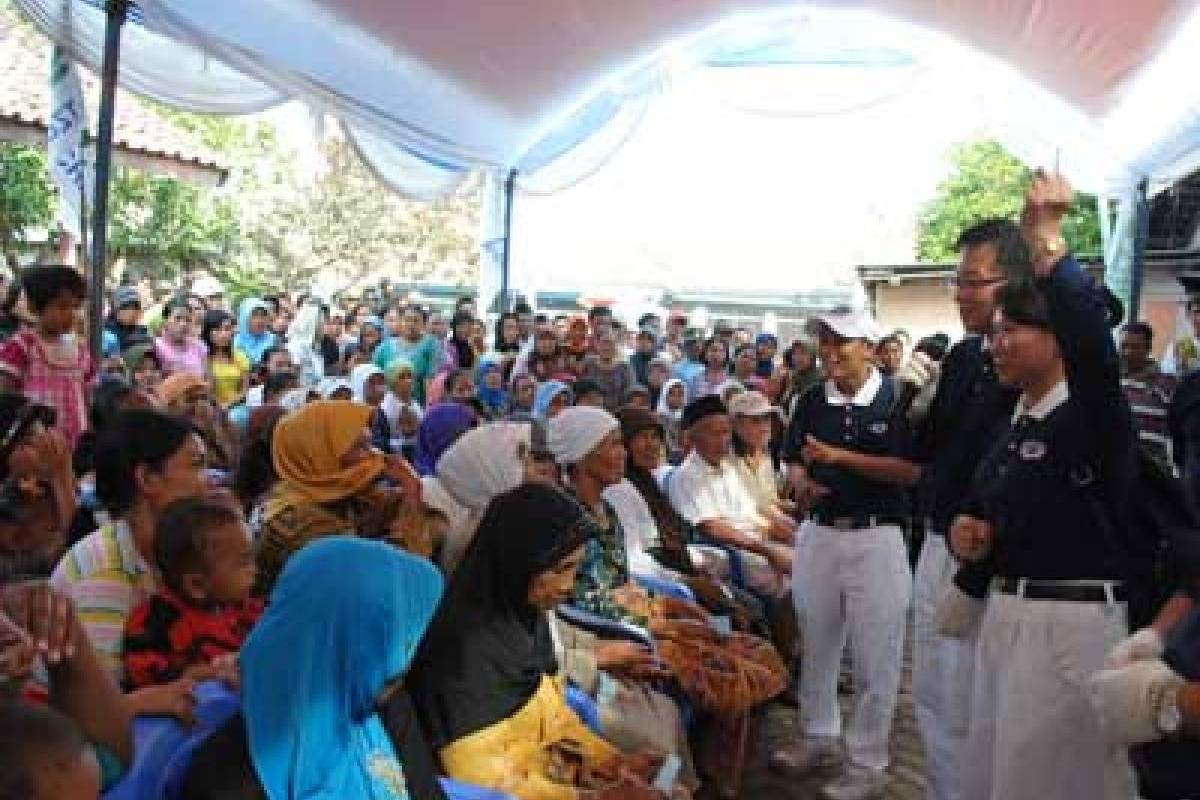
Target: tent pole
(1141, 234)
(104, 142)
(510, 188)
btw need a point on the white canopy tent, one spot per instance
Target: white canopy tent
(431, 90)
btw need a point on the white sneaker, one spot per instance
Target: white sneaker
(856, 783)
(805, 755)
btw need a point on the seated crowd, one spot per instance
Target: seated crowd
(549, 565)
(364, 549)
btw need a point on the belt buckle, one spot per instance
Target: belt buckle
(843, 523)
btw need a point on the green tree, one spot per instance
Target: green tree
(988, 181)
(26, 199)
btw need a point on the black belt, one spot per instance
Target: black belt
(859, 521)
(1071, 591)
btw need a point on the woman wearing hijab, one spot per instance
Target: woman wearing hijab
(327, 473)
(485, 680)
(442, 426)
(483, 463)
(551, 398)
(190, 397)
(362, 349)
(304, 344)
(327, 730)
(671, 401)
(491, 391)
(254, 335)
(370, 387)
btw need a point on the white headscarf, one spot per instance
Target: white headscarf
(668, 413)
(483, 463)
(577, 431)
(301, 344)
(328, 386)
(358, 380)
(294, 399)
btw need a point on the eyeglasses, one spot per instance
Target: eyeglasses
(973, 283)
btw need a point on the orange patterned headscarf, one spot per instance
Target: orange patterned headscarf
(308, 446)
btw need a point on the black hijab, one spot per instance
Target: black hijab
(487, 648)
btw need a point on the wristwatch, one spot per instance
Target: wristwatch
(1168, 718)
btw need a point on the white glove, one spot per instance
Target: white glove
(919, 370)
(958, 613)
(1140, 646)
(1126, 700)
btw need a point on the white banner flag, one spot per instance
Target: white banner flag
(64, 140)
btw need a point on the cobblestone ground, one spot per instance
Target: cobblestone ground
(906, 770)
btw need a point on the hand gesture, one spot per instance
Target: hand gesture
(970, 538)
(919, 370)
(53, 454)
(46, 616)
(168, 700)
(817, 452)
(17, 653)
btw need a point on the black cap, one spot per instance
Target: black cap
(634, 420)
(701, 407)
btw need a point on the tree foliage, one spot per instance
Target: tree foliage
(26, 200)
(988, 181)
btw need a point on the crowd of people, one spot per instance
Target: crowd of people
(361, 548)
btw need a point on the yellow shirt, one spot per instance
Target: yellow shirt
(227, 377)
(511, 756)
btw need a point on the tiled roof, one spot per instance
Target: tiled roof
(25, 100)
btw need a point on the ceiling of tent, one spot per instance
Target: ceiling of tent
(442, 86)
(531, 55)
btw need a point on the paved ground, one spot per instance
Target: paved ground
(906, 771)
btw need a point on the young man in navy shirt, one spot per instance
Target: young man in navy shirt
(847, 454)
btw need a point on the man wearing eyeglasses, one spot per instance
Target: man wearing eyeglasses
(967, 413)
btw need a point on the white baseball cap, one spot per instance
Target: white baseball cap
(848, 323)
(752, 404)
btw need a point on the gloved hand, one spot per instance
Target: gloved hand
(1127, 700)
(1140, 646)
(919, 370)
(958, 613)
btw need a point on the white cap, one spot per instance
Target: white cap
(849, 324)
(207, 286)
(752, 404)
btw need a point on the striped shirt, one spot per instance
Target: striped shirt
(106, 577)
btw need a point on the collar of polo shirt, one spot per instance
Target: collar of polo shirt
(864, 397)
(1054, 398)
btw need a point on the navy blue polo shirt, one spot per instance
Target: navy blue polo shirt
(970, 411)
(865, 427)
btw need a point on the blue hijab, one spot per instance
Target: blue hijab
(494, 400)
(253, 345)
(441, 427)
(546, 392)
(345, 618)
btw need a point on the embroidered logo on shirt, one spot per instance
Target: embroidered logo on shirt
(878, 428)
(1033, 450)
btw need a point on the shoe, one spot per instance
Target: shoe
(856, 783)
(805, 755)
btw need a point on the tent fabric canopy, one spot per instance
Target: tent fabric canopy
(431, 90)
(458, 84)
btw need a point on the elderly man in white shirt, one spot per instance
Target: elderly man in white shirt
(707, 492)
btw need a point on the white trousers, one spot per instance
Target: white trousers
(852, 584)
(1034, 732)
(942, 670)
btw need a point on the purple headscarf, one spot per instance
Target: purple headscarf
(442, 426)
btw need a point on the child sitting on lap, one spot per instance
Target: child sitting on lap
(194, 625)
